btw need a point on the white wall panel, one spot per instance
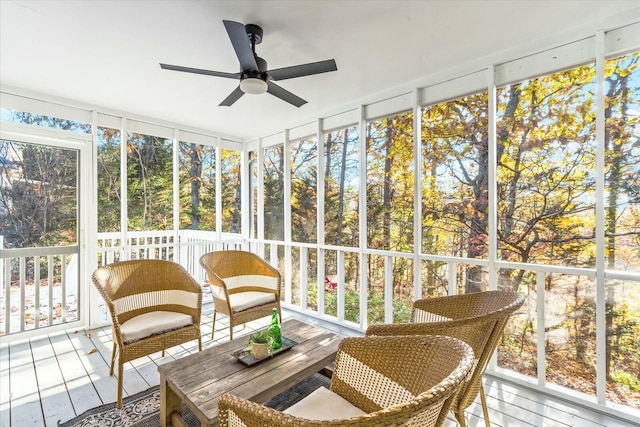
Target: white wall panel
(389, 107)
(622, 40)
(549, 61)
(22, 103)
(150, 129)
(454, 88)
(303, 131)
(271, 140)
(197, 138)
(341, 121)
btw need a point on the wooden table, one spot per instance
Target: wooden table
(199, 379)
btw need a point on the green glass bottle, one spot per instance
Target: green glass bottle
(275, 330)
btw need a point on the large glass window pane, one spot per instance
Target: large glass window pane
(455, 185)
(274, 193)
(109, 183)
(304, 190)
(518, 347)
(546, 180)
(38, 195)
(197, 175)
(38, 208)
(622, 174)
(341, 187)
(44, 121)
(149, 182)
(390, 187)
(231, 194)
(622, 224)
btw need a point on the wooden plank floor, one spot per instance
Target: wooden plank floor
(56, 377)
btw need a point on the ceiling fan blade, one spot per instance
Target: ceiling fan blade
(233, 97)
(199, 71)
(285, 95)
(240, 41)
(303, 70)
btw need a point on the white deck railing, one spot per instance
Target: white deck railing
(37, 298)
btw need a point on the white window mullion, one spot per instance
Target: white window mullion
(363, 218)
(288, 269)
(417, 201)
(246, 192)
(320, 218)
(601, 332)
(124, 215)
(89, 257)
(260, 201)
(176, 195)
(492, 226)
(218, 200)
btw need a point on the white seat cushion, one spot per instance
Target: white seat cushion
(244, 300)
(323, 404)
(152, 323)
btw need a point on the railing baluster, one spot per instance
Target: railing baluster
(50, 288)
(36, 283)
(23, 274)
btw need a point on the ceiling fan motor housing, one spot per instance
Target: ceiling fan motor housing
(254, 32)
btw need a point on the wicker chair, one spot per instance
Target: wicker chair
(154, 305)
(478, 319)
(244, 286)
(377, 381)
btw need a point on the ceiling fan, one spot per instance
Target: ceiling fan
(254, 76)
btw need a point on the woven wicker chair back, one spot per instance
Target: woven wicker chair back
(131, 288)
(224, 264)
(134, 288)
(478, 319)
(234, 272)
(399, 381)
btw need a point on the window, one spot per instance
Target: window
(390, 183)
(231, 191)
(341, 187)
(197, 174)
(304, 190)
(274, 193)
(455, 189)
(149, 182)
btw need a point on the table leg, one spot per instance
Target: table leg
(169, 402)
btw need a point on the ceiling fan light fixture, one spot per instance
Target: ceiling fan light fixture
(253, 86)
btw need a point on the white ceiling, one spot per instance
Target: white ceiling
(107, 52)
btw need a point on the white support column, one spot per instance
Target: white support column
(288, 273)
(89, 256)
(417, 201)
(176, 196)
(601, 331)
(218, 200)
(124, 214)
(362, 139)
(245, 193)
(492, 226)
(493, 178)
(320, 218)
(260, 201)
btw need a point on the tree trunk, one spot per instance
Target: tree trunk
(195, 177)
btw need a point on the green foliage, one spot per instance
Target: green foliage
(260, 337)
